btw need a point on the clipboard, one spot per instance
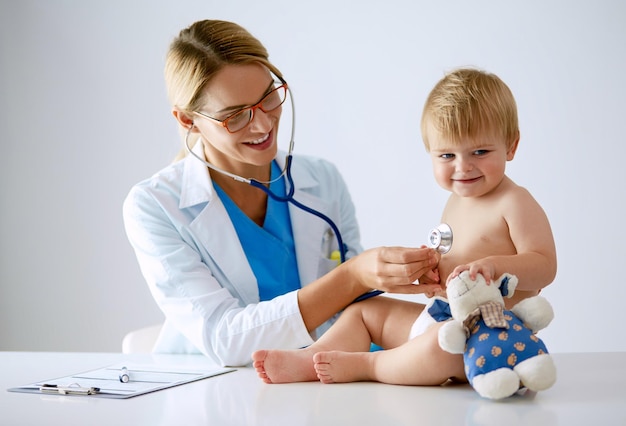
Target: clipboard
(107, 382)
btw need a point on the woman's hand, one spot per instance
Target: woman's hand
(396, 269)
(390, 269)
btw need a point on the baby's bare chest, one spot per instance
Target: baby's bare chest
(477, 233)
(480, 231)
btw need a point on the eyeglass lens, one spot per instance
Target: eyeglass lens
(270, 102)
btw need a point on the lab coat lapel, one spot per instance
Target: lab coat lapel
(308, 233)
(220, 239)
(216, 234)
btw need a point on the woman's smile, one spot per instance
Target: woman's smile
(262, 143)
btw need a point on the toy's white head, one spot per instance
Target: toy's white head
(465, 294)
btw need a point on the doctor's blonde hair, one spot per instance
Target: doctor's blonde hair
(468, 103)
(201, 51)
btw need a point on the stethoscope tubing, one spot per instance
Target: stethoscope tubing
(290, 199)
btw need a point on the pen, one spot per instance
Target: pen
(124, 377)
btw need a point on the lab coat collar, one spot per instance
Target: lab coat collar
(197, 186)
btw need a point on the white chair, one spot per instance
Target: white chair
(141, 340)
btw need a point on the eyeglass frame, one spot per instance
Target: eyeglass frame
(224, 123)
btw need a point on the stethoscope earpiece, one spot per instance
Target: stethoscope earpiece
(440, 238)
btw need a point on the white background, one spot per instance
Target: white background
(84, 117)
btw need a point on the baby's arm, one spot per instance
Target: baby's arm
(529, 228)
(530, 232)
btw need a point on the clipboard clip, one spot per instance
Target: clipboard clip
(71, 389)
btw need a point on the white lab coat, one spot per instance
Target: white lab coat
(198, 274)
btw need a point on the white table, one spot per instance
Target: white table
(590, 390)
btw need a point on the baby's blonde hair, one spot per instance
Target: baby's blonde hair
(468, 103)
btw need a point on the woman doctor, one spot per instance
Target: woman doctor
(232, 269)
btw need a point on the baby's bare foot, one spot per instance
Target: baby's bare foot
(278, 366)
(342, 367)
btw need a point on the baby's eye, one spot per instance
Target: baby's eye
(480, 152)
(447, 156)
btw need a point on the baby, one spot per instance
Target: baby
(470, 129)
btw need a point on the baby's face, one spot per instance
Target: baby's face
(469, 168)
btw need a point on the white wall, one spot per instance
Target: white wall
(84, 117)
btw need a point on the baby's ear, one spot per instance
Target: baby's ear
(508, 283)
(510, 154)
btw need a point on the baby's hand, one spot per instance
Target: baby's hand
(440, 292)
(486, 268)
(432, 278)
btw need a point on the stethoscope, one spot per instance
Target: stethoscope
(264, 186)
(439, 238)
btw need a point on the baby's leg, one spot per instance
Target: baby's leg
(381, 320)
(419, 361)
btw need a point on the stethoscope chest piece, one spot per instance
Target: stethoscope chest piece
(440, 238)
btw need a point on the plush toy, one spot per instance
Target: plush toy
(500, 349)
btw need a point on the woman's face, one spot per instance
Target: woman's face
(250, 150)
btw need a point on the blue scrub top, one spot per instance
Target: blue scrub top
(270, 249)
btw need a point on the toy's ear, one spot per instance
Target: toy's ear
(507, 286)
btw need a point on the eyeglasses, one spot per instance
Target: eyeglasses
(240, 119)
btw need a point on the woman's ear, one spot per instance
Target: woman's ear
(183, 118)
(513, 148)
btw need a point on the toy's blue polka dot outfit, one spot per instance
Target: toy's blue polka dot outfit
(497, 338)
